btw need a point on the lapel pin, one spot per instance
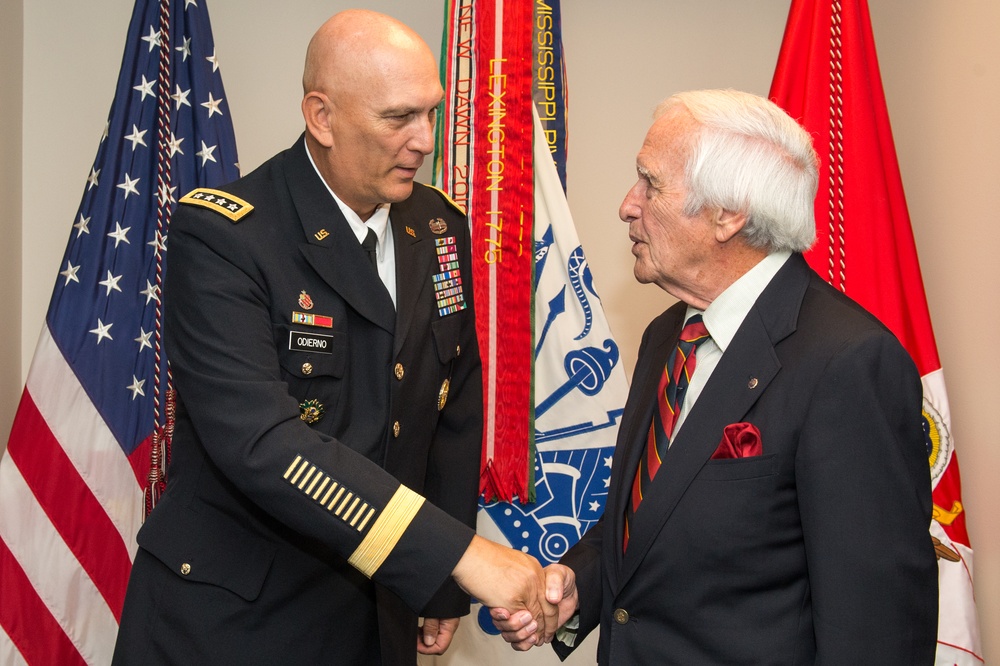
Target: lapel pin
(305, 300)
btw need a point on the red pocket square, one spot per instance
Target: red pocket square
(739, 440)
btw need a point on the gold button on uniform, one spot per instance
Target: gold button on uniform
(621, 616)
(307, 368)
(185, 569)
(458, 350)
(395, 429)
(443, 394)
(399, 371)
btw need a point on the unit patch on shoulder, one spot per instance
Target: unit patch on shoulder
(222, 203)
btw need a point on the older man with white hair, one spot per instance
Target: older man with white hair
(770, 499)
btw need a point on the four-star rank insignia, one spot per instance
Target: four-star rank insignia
(311, 411)
(230, 207)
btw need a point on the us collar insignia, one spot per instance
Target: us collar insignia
(311, 411)
(305, 300)
(438, 225)
(411, 232)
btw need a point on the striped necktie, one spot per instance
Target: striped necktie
(669, 399)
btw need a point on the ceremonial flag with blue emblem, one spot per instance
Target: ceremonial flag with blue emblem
(578, 383)
(98, 393)
(828, 78)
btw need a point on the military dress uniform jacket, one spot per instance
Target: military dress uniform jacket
(312, 422)
(817, 551)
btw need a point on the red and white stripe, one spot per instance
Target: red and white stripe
(72, 506)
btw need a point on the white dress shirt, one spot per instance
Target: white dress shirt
(723, 318)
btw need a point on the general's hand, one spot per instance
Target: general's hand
(519, 628)
(436, 634)
(502, 577)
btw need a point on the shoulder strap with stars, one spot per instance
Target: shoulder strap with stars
(230, 207)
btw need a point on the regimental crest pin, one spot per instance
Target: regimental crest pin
(305, 300)
(438, 226)
(311, 411)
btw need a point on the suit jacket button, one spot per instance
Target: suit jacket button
(395, 429)
(621, 616)
(185, 569)
(399, 371)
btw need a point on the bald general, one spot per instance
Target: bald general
(371, 93)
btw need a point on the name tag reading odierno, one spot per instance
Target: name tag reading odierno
(310, 342)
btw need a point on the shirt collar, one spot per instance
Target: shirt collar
(379, 221)
(726, 313)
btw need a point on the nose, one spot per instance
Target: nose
(423, 138)
(630, 210)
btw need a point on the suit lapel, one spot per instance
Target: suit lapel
(332, 249)
(741, 377)
(413, 263)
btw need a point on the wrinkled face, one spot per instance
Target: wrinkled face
(671, 249)
(382, 132)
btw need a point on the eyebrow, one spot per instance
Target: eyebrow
(645, 173)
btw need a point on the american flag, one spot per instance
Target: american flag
(77, 462)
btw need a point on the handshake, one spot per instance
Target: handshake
(527, 604)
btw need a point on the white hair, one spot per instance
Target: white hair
(749, 156)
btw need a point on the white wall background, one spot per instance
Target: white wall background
(940, 66)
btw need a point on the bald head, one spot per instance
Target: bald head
(357, 44)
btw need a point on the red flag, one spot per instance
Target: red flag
(828, 78)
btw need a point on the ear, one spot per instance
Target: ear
(317, 110)
(728, 224)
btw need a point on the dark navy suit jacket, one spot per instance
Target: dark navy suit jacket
(816, 551)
